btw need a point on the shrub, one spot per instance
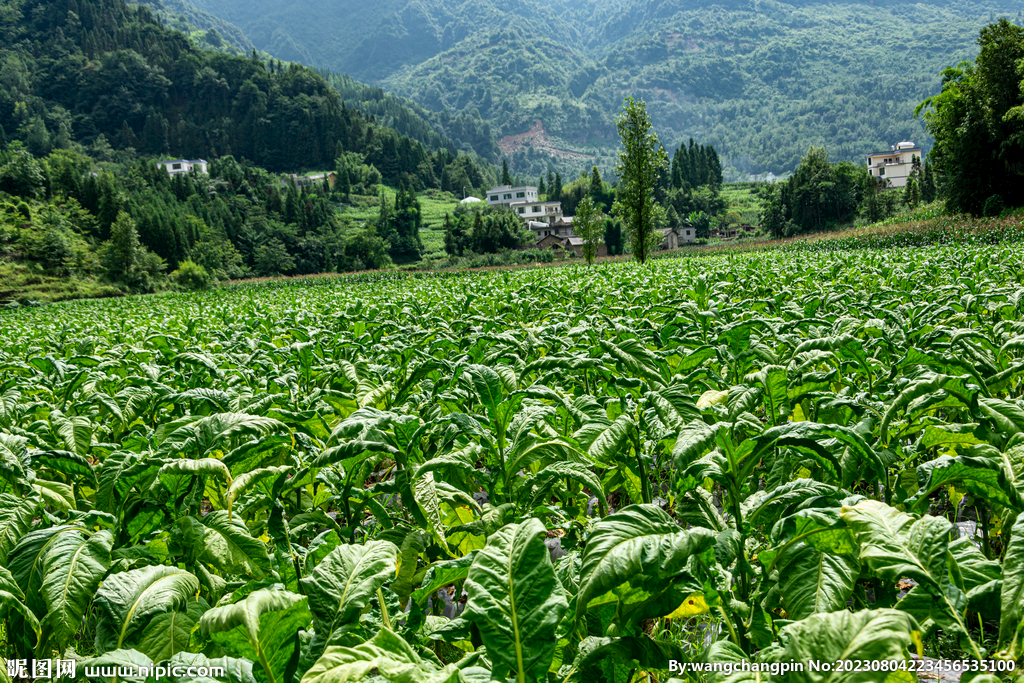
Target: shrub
(191, 276)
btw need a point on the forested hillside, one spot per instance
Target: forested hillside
(93, 92)
(100, 72)
(760, 80)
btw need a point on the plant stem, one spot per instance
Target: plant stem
(384, 610)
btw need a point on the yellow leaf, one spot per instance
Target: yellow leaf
(710, 398)
(798, 414)
(955, 496)
(692, 606)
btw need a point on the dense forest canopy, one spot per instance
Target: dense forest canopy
(76, 70)
(759, 80)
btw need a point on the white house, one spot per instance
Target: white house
(894, 165)
(184, 166)
(560, 228)
(538, 212)
(506, 194)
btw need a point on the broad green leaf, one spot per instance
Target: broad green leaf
(643, 652)
(73, 566)
(345, 581)
(984, 477)
(870, 635)
(12, 599)
(247, 480)
(814, 581)
(263, 628)
(16, 514)
(128, 601)
(1011, 619)
(230, 547)
(168, 633)
(516, 601)
(613, 441)
(639, 541)
(388, 654)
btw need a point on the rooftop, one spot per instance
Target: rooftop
(506, 188)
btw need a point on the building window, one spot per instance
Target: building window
(520, 195)
(536, 209)
(687, 233)
(881, 171)
(176, 167)
(494, 198)
(522, 210)
(508, 196)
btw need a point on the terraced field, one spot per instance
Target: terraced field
(565, 474)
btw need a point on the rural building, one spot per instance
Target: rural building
(538, 212)
(560, 228)
(184, 166)
(305, 181)
(894, 165)
(506, 194)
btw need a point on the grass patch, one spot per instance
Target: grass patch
(24, 283)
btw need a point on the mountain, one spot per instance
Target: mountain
(205, 29)
(762, 80)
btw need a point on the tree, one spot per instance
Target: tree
(123, 251)
(556, 189)
(639, 166)
(506, 178)
(980, 115)
(613, 236)
(587, 224)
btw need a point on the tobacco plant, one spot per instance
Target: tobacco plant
(558, 475)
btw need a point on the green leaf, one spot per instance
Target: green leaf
(642, 652)
(694, 440)
(230, 547)
(127, 601)
(637, 543)
(168, 633)
(516, 601)
(16, 515)
(392, 657)
(894, 545)
(73, 566)
(264, 628)
(984, 477)
(1011, 619)
(247, 480)
(345, 581)
(870, 635)
(570, 470)
(613, 440)
(12, 597)
(813, 581)
(487, 385)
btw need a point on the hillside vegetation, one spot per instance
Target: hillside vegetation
(761, 80)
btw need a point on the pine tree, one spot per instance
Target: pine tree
(506, 179)
(541, 188)
(556, 189)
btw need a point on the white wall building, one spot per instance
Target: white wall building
(894, 165)
(184, 166)
(506, 194)
(537, 212)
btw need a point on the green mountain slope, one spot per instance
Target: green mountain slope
(761, 80)
(208, 31)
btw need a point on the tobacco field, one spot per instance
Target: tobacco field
(562, 474)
